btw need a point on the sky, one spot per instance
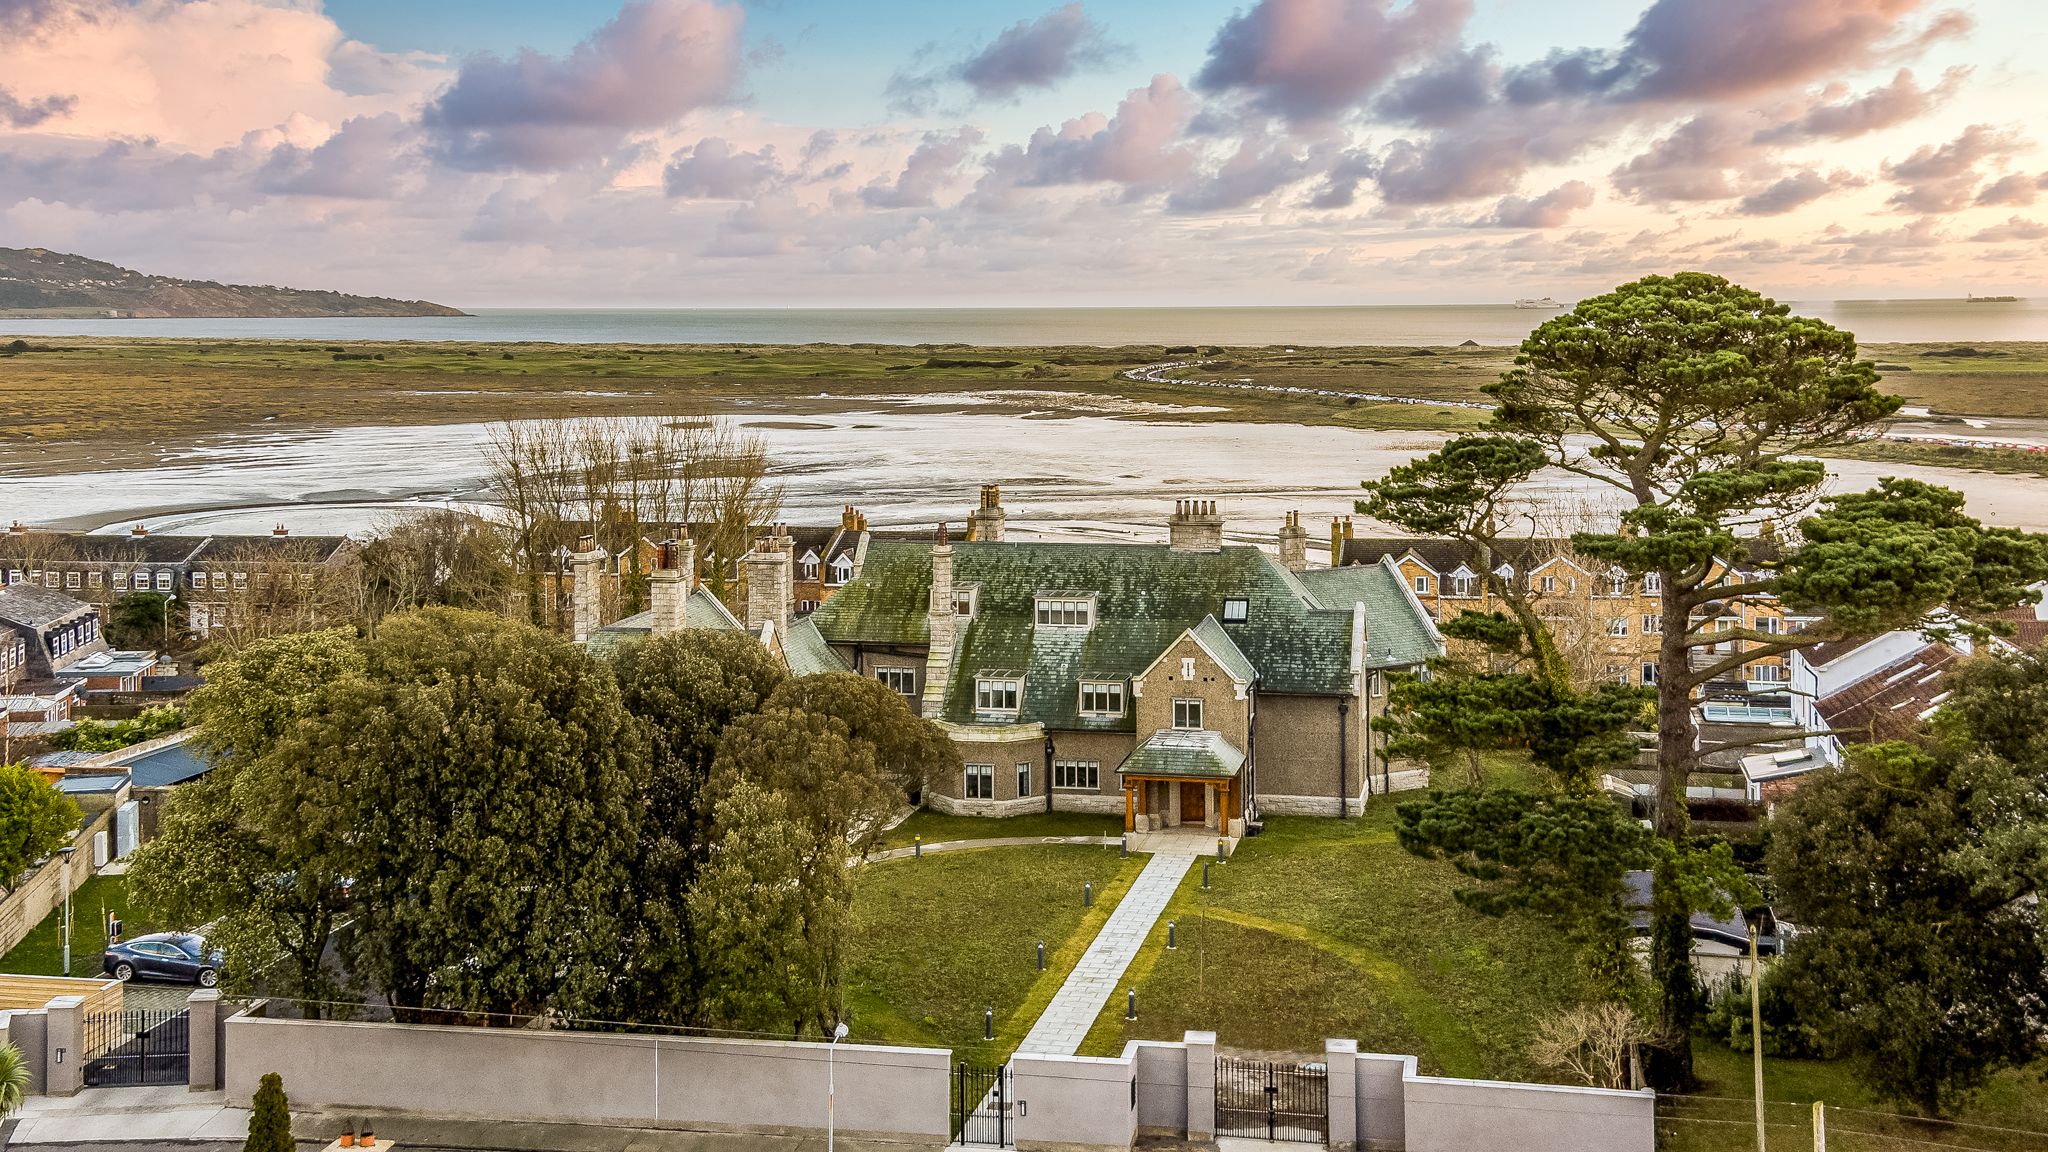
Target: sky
(718, 153)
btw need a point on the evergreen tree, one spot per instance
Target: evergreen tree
(270, 1123)
(35, 820)
(1699, 405)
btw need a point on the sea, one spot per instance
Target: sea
(1498, 325)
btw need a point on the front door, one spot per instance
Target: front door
(1191, 796)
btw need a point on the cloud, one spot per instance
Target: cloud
(1550, 210)
(931, 167)
(1443, 92)
(362, 161)
(712, 169)
(1683, 50)
(1894, 103)
(1140, 146)
(2015, 188)
(1794, 191)
(1690, 163)
(1259, 167)
(2014, 228)
(1943, 178)
(1036, 54)
(1311, 60)
(643, 69)
(18, 113)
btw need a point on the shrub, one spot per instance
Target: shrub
(14, 1080)
(270, 1125)
(1784, 1033)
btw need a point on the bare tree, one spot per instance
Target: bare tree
(271, 587)
(440, 557)
(1591, 1043)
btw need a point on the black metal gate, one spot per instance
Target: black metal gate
(137, 1046)
(1264, 1101)
(981, 1105)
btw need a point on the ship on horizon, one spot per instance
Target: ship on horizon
(1537, 302)
(1973, 298)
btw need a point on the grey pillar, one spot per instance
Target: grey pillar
(26, 1030)
(1201, 1048)
(202, 1072)
(1341, 1058)
(65, 1044)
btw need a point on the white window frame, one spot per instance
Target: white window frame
(1547, 584)
(1023, 778)
(1617, 625)
(1653, 584)
(1064, 611)
(164, 578)
(988, 689)
(1649, 673)
(841, 569)
(1422, 584)
(1185, 709)
(902, 681)
(1464, 587)
(1236, 610)
(1653, 624)
(807, 568)
(1108, 692)
(1077, 775)
(1617, 584)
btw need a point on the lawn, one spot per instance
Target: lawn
(41, 952)
(938, 940)
(1388, 957)
(937, 827)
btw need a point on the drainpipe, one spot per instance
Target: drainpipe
(1250, 803)
(1048, 772)
(1343, 754)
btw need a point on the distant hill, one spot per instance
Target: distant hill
(39, 282)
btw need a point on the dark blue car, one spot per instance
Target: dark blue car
(179, 956)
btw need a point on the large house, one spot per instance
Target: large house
(1188, 683)
(217, 578)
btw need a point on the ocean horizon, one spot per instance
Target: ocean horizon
(1441, 325)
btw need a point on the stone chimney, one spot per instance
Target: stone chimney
(280, 530)
(139, 530)
(670, 583)
(1195, 526)
(942, 617)
(1340, 531)
(852, 519)
(587, 602)
(1293, 543)
(769, 582)
(985, 524)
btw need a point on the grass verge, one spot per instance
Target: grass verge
(937, 827)
(41, 952)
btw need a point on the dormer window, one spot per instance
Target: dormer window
(964, 597)
(1617, 584)
(1653, 584)
(1066, 612)
(1422, 585)
(1102, 697)
(1236, 610)
(997, 695)
(842, 569)
(1464, 583)
(807, 567)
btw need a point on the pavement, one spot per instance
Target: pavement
(168, 1113)
(991, 842)
(1066, 1021)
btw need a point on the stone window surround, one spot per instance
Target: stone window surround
(978, 782)
(1077, 775)
(1187, 714)
(998, 695)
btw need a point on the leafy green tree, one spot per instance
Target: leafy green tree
(491, 812)
(147, 620)
(911, 749)
(105, 736)
(834, 783)
(259, 847)
(773, 903)
(35, 820)
(1699, 405)
(14, 1080)
(681, 690)
(270, 1121)
(1914, 875)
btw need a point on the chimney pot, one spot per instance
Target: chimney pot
(139, 530)
(280, 530)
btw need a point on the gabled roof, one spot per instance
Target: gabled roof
(1218, 644)
(1398, 633)
(807, 652)
(1892, 701)
(1147, 596)
(1177, 752)
(33, 607)
(77, 547)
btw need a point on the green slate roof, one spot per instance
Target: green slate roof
(807, 652)
(701, 610)
(1398, 633)
(1217, 643)
(1147, 596)
(1172, 752)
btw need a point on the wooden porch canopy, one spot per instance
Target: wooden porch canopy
(1201, 763)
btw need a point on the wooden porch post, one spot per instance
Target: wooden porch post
(1130, 802)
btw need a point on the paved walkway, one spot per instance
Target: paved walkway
(993, 842)
(1094, 980)
(99, 1115)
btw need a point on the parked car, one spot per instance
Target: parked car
(180, 956)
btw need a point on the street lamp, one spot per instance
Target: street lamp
(838, 1034)
(65, 853)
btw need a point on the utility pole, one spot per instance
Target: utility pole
(1756, 1035)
